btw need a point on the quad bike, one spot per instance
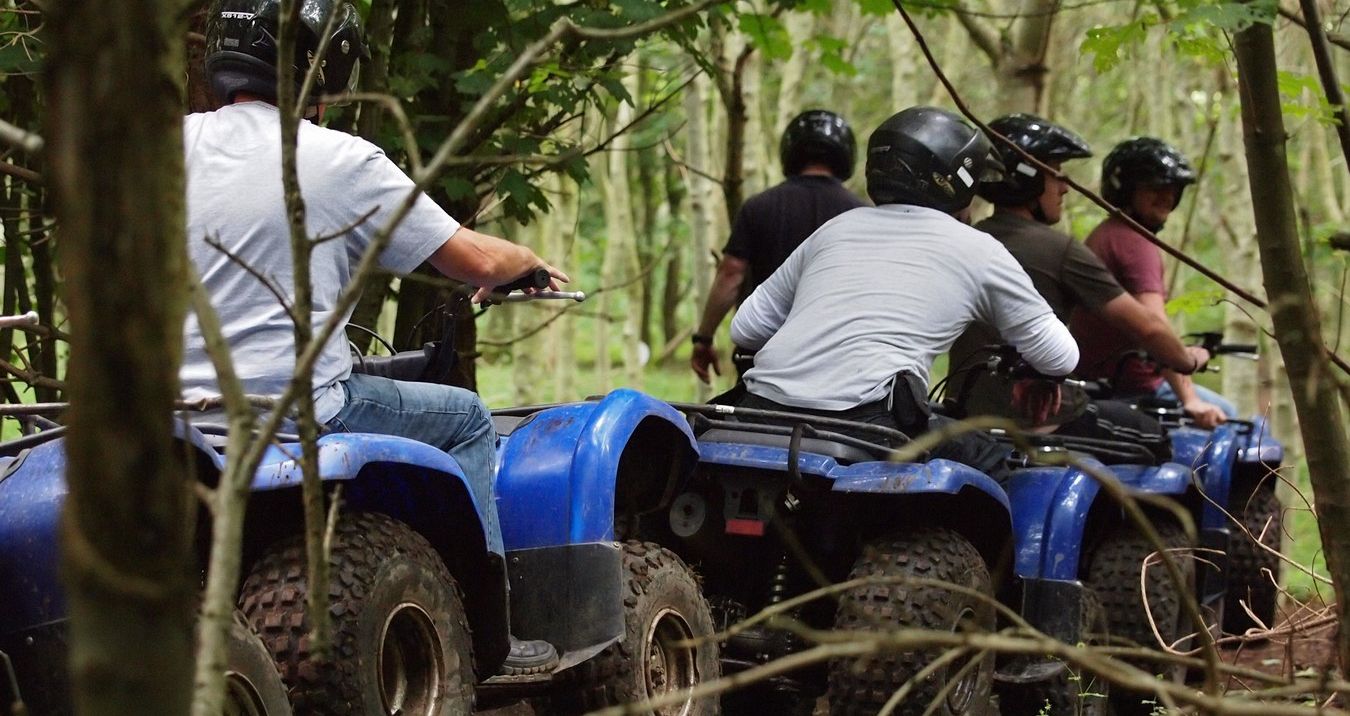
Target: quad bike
(421, 609)
(783, 503)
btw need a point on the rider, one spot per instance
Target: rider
(1145, 178)
(239, 242)
(850, 324)
(1026, 204)
(817, 151)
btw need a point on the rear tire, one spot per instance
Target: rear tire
(401, 641)
(1113, 573)
(1253, 504)
(863, 686)
(663, 605)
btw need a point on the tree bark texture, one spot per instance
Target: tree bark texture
(114, 83)
(1297, 326)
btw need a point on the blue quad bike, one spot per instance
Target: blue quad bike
(420, 603)
(783, 503)
(1235, 505)
(1072, 537)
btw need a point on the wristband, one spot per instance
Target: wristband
(701, 340)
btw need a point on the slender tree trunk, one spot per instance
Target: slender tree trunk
(1297, 326)
(620, 264)
(673, 287)
(701, 221)
(799, 27)
(1022, 70)
(114, 78)
(565, 369)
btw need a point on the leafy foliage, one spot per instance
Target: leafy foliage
(1196, 28)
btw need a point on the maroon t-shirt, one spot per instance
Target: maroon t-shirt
(1137, 264)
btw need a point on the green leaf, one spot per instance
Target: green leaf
(768, 34)
(16, 59)
(879, 8)
(1194, 301)
(456, 188)
(831, 52)
(1106, 44)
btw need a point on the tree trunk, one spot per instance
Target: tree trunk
(799, 27)
(1297, 326)
(1023, 71)
(673, 287)
(620, 266)
(564, 330)
(1227, 182)
(701, 220)
(114, 79)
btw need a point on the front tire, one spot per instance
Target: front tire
(1258, 509)
(253, 685)
(1114, 574)
(663, 606)
(401, 641)
(863, 686)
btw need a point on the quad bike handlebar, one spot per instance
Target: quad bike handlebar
(433, 362)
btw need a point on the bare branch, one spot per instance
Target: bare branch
(980, 34)
(22, 173)
(20, 138)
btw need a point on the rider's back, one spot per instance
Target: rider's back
(235, 198)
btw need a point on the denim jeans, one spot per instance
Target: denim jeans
(1165, 392)
(452, 419)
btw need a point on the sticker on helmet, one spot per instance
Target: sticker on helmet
(232, 15)
(1023, 168)
(966, 178)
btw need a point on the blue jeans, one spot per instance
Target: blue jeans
(1165, 392)
(452, 419)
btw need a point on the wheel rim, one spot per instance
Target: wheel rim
(963, 693)
(242, 697)
(671, 664)
(410, 663)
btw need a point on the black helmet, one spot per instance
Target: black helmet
(818, 137)
(928, 157)
(241, 47)
(1143, 161)
(1041, 139)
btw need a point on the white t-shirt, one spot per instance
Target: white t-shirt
(234, 196)
(881, 290)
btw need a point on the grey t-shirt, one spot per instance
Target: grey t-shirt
(881, 290)
(234, 197)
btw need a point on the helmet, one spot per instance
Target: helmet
(241, 47)
(1143, 161)
(818, 137)
(1041, 139)
(928, 157)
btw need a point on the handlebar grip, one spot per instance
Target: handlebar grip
(1235, 348)
(538, 278)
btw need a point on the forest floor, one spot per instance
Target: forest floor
(1304, 652)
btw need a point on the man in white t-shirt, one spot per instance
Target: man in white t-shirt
(239, 241)
(849, 326)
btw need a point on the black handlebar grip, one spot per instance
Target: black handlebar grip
(1235, 348)
(538, 278)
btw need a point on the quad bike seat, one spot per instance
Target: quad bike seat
(842, 453)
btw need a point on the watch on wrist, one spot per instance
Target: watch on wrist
(699, 339)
